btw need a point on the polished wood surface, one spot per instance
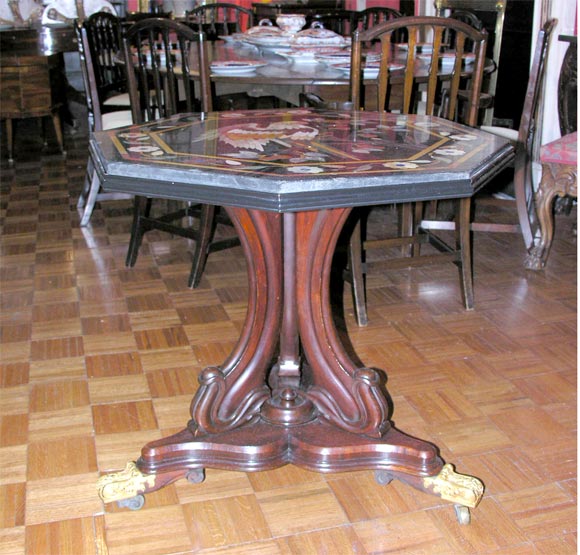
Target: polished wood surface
(29, 88)
(96, 359)
(40, 40)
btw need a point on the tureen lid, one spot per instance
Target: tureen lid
(264, 27)
(318, 34)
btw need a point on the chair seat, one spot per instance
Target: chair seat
(561, 151)
(112, 120)
(505, 132)
(118, 100)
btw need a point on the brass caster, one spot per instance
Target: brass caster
(457, 488)
(133, 503)
(383, 478)
(124, 485)
(195, 476)
(463, 514)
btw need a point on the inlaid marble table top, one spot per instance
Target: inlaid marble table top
(299, 159)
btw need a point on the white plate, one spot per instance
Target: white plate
(57, 24)
(304, 59)
(235, 67)
(369, 72)
(308, 56)
(423, 47)
(333, 58)
(372, 56)
(270, 41)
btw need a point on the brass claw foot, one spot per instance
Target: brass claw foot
(126, 484)
(457, 488)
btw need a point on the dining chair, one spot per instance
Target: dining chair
(219, 19)
(370, 17)
(98, 42)
(526, 140)
(397, 88)
(156, 55)
(104, 40)
(222, 19)
(479, 9)
(342, 22)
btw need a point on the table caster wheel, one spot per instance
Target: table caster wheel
(195, 476)
(463, 514)
(133, 503)
(382, 477)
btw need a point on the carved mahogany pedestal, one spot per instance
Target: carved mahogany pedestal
(289, 392)
(313, 407)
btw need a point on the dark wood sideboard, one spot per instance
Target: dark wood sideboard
(32, 76)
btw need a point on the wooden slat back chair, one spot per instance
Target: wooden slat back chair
(156, 57)
(104, 41)
(467, 17)
(371, 17)
(403, 85)
(342, 22)
(222, 19)
(479, 8)
(94, 31)
(156, 54)
(219, 19)
(525, 139)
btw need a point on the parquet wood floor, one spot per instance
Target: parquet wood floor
(98, 359)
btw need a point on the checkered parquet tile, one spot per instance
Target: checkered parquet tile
(98, 359)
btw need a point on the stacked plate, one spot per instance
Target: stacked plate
(370, 70)
(235, 67)
(314, 55)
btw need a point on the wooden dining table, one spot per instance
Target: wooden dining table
(289, 392)
(287, 78)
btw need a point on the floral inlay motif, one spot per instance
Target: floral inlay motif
(256, 136)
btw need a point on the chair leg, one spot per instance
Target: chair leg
(355, 262)
(536, 260)
(463, 230)
(10, 140)
(86, 185)
(524, 193)
(206, 229)
(418, 210)
(57, 123)
(136, 230)
(405, 219)
(91, 199)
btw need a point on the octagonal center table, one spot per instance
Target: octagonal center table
(289, 392)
